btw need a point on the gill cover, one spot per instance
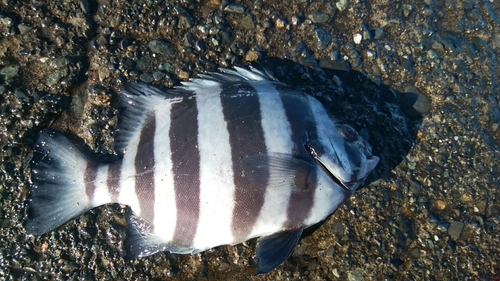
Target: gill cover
(343, 154)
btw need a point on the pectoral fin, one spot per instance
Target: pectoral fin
(279, 171)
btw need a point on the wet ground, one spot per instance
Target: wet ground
(419, 79)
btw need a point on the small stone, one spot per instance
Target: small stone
(101, 41)
(143, 63)
(455, 229)
(378, 33)
(58, 63)
(146, 78)
(185, 22)
(280, 23)
(322, 38)
(8, 72)
(326, 62)
(158, 75)
(342, 5)
(431, 54)
(115, 21)
(161, 47)
(55, 77)
(355, 275)
(414, 104)
(165, 66)
(183, 75)
(318, 17)
(439, 205)
(24, 28)
(247, 23)
(252, 56)
(357, 38)
(234, 8)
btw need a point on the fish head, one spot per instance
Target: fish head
(342, 154)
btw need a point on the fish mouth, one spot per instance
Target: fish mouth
(345, 185)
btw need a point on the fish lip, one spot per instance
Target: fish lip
(345, 185)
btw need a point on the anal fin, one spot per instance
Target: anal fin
(275, 249)
(142, 242)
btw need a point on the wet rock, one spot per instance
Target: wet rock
(200, 46)
(55, 77)
(234, 8)
(342, 5)
(414, 104)
(146, 78)
(252, 56)
(8, 72)
(185, 22)
(334, 65)
(161, 47)
(24, 28)
(165, 66)
(322, 38)
(59, 63)
(355, 275)
(247, 23)
(378, 33)
(318, 17)
(439, 205)
(158, 75)
(143, 63)
(455, 229)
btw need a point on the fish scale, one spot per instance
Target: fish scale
(219, 160)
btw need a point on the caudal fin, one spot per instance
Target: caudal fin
(58, 191)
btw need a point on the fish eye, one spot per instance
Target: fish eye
(348, 132)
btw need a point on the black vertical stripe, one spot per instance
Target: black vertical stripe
(89, 179)
(241, 109)
(303, 126)
(113, 180)
(144, 170)
(185, 168)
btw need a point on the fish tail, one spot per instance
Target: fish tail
(58, 190)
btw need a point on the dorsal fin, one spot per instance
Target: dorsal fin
(137, 100)
(214, 79)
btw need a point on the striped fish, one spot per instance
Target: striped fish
(219, 160)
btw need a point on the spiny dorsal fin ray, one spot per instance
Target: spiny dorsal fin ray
(137, 100)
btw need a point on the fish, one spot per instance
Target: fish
(218, 160)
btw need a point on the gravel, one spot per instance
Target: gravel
(421, 83)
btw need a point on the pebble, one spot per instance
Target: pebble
(252, 56)
(357, 38)
(334, 65)
(234, 8)
(165, 66)
(455, 229)
(9, 71)
(185, 22)
(318, 17)
(322, 38)
(342, 5)
(355, 275)
(161, 47)
(247, 23)
(414, 104)
(440, 205)
(378, 33)
(143, 63)
(24, 28)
